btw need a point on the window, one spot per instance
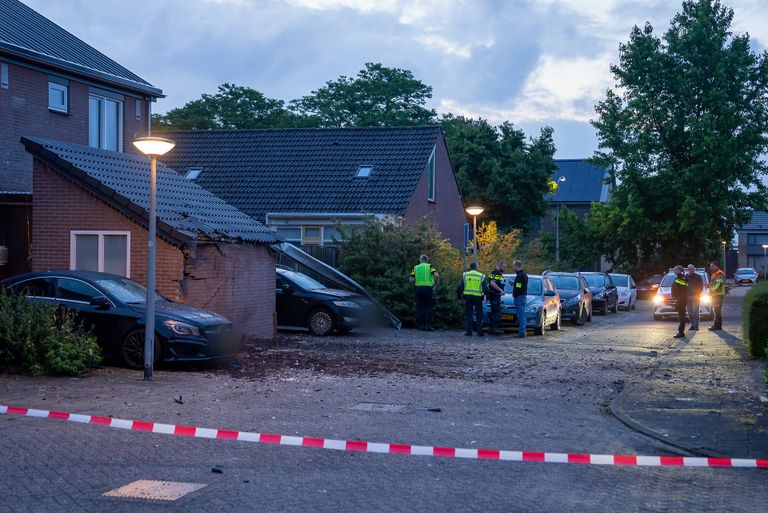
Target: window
(138, 103)
(311, 235)
(71, 289)
(331, 235)
(105, 123)
(3, 75)
(757, 239)
(36, 287)
(431, 177)
(364, 172)
(58, 97)
(291, 234)
(106, 252)
(193, 173)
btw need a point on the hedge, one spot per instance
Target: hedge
(755, 320)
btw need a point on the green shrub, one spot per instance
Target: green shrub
(37, 338)
(755, 320)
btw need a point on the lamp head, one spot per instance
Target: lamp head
(153, 146)
(475, 211)
(561, 179)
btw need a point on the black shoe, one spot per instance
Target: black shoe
(715, 328)
(467, 334)
(679, 335)
(429, 328)
(480, 334)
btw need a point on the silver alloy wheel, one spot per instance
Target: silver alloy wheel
(557, 324)
(320, 322)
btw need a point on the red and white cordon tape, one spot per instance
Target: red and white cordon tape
(386, 448)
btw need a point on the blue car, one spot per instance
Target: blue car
(542, 305)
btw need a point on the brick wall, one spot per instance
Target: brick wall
(237, 280)
(24, 112)
(447, 211)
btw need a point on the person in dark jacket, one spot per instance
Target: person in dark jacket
(495, 291)
(680, 294)
(520, 294)
(696, 287)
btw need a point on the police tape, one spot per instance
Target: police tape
(388, 448)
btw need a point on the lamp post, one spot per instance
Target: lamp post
(153, 147)
(557, 225)
(474, 212)
(765, 268)
(725, 265)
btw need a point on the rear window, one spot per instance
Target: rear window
(745, 271)
(565, 282)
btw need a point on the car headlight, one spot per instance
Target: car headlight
(705, 299)
(346, 304)
(572, 300)
(182, 328)
(532, 309)
(600, 295)
(657, 299)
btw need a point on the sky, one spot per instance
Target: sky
(530, 62)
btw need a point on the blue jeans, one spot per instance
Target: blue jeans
(520, 310)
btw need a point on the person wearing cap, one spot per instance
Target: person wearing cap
(471, 290)
(426, 279)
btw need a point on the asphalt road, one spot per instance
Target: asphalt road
(549, 393)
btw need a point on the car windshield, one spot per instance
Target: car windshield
(304, 281)
(534, 286)
(595, 280)
(125, 290)
(745, 271)
(565, 282)
(620, 280)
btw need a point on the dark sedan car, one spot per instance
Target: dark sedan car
(605, 296)
(647, 288)
(303, 302)
(575, 295)
(114, 307)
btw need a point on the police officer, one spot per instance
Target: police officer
(495, 291)
(520, 295)
(471, 289)
(426, 278)
(717, 293)
(680, 292)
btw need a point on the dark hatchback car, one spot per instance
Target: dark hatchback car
(575, 295)
(605, 296)
(114, 307)
(303, 302)
(647, 288)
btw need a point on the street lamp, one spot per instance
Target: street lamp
(557, 226)
(153, 147)
(725, 265)
(765, 268)
(474, 212)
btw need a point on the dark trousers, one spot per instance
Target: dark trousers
(495, 314)
(424, 302)
(693, 311)
(681, 307)
(717, 309)
(473, 312)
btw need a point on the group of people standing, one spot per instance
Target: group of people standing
(473, 287)
(687, 289)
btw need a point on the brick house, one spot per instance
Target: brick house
(90, 211)
(56, 86)
(301, 182)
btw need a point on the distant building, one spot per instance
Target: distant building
(579, 185)
(752, 236)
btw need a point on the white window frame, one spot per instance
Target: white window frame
(431, 177)
(52, 86)
(313, 242)
(101, 233)
(103, 120)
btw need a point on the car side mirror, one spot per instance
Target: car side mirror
(288, 288)
(550, 293)
(101, 303)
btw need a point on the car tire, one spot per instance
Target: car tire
(615, 308)
(132, 349)
(555, 326)
(581, 319)
(320, 322)
(633, 305)
(539, 330)
(657, 317)
(589, 314)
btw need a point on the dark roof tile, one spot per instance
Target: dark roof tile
(584, 182)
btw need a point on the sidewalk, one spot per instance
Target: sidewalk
(705, 395)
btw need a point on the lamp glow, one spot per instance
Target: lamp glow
(156, 146)
(475, 211)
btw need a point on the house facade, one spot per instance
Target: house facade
(304, 182)
(752, 236)
(56, 86)
(90, 208)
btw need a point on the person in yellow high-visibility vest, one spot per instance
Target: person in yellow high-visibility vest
(717, 292)
(471, 289)
(426, 279)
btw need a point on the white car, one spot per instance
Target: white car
(664, 303)
(745, 276)
(627, 290)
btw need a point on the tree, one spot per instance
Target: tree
(683, 134)
(497, 167)
(377, 96)
(231, 107)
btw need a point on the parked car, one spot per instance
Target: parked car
(303, 302)
(625, 286)
(647, 288)
(114, 307)
(575, 295)
(745, 276)
(664, 305)
(605, 296)
(542, 305)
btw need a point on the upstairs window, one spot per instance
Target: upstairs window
(431, 177)
(105, 123)
(312, 235)
(58, 97)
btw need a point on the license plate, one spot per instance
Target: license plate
(508, 317)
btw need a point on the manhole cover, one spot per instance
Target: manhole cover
(382, 407)
(155, 490)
